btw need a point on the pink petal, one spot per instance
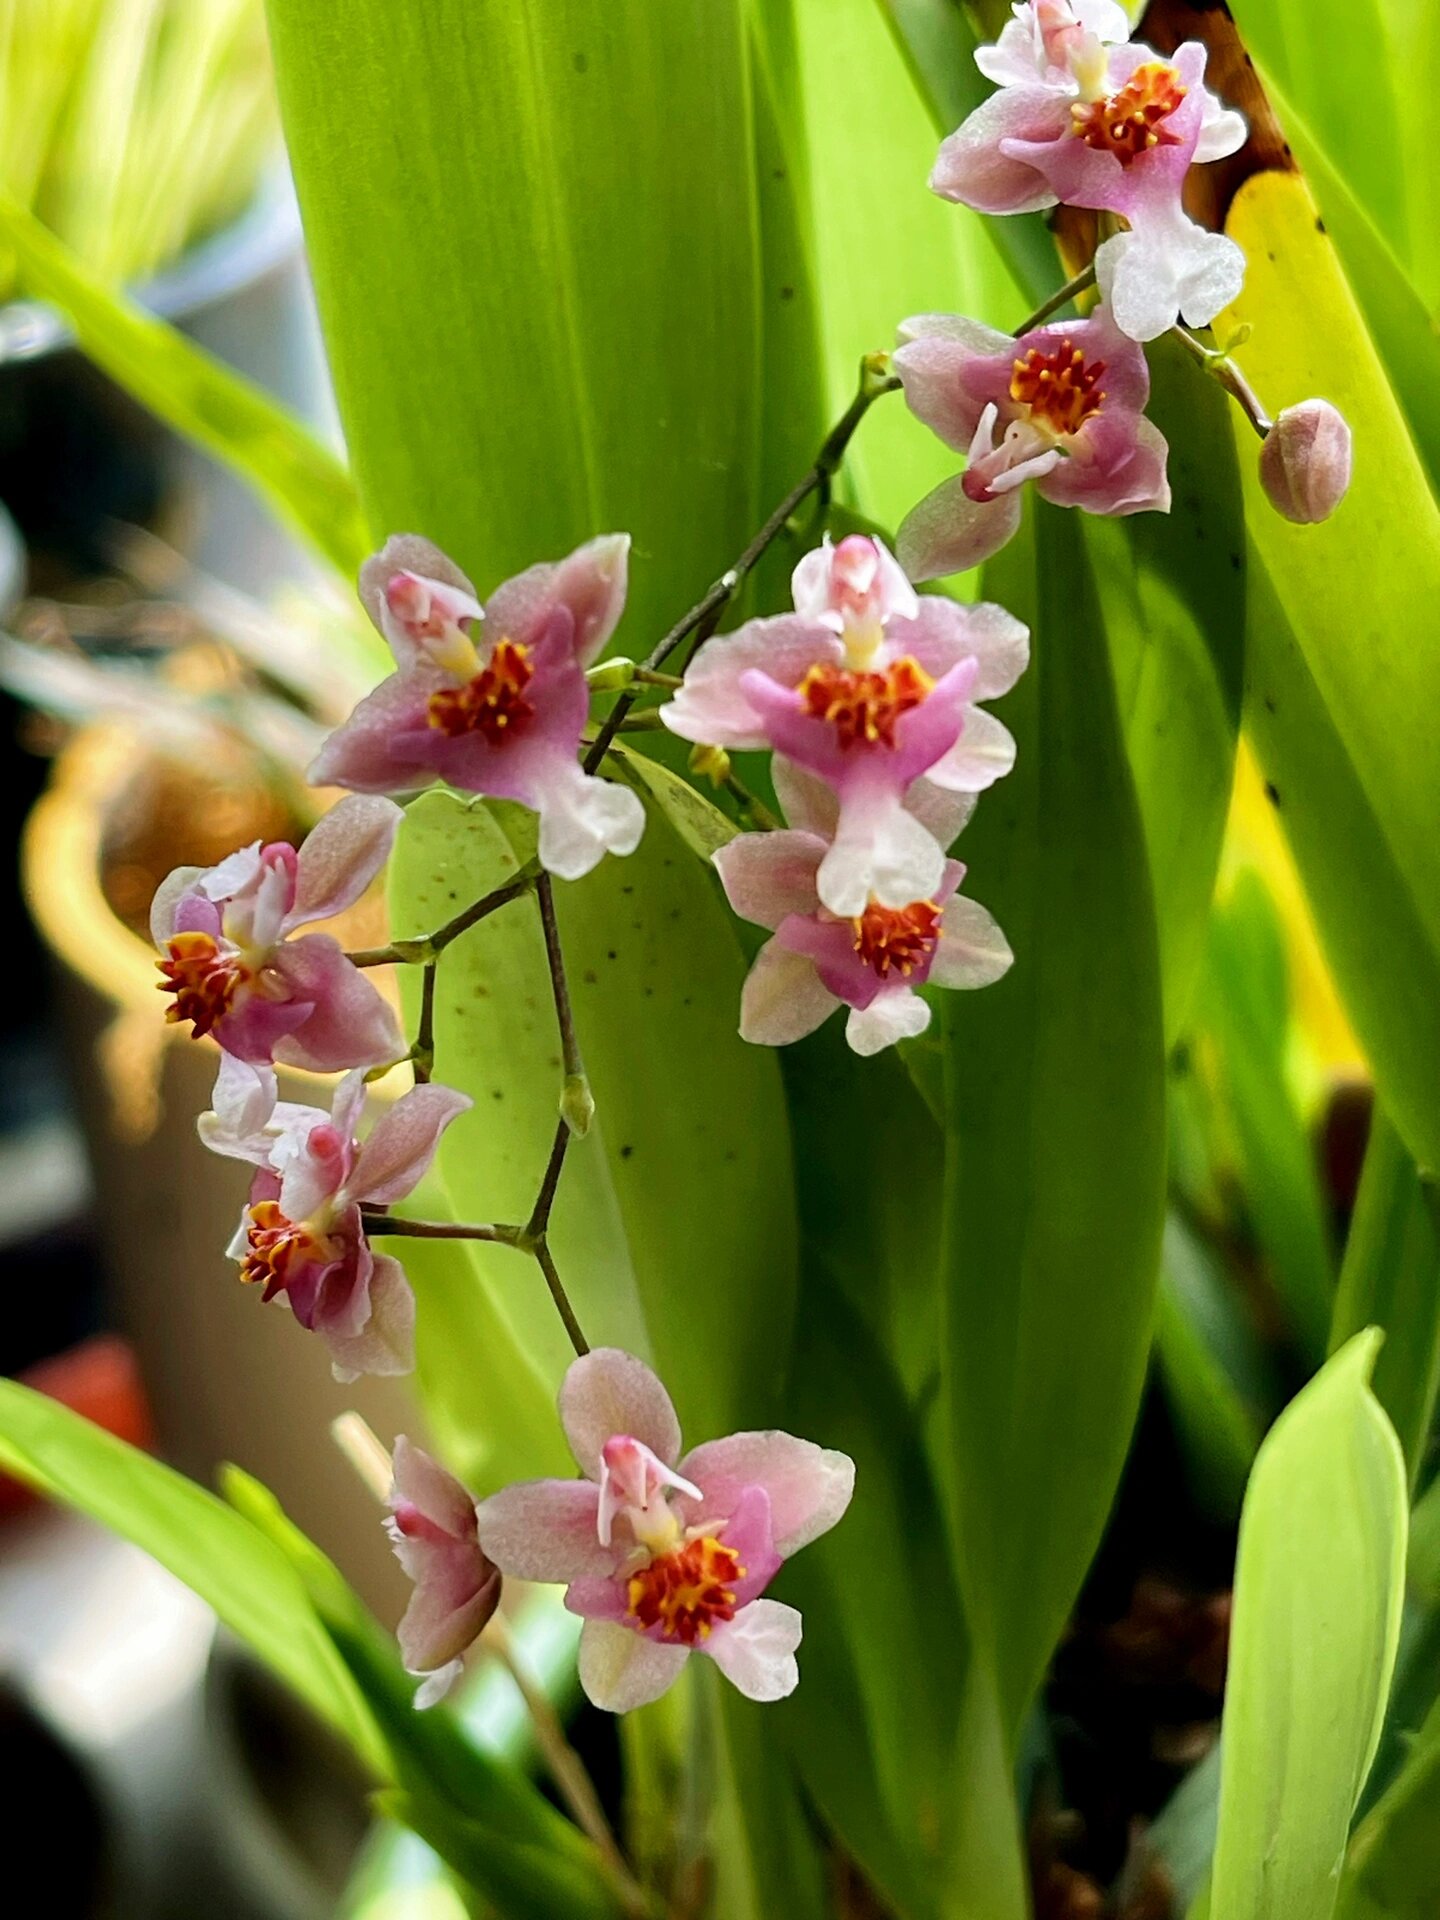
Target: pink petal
(809, 1487)
(399, 1150)
(712, 707)
(168, 895)
(421, 1482)
(341, 855)
(808, 802)
(1117, 467)
(545, 1530)
(621, 1670)
(349, 1024)
(949, 533)
(972, 951)
(783, 998)
(358, 754)
(590, 583)
(946, 631)
(767, 875)
(942, 813)
(830, 945)
(897, 1014)
(756, 1650)
(984, 753)
(859, 580)
(257, 1024)
(608, 1392)
(973, 167)
(456, 1588)
(600, 1597)
(880, 851)
(948, 384)
(406, 553)
(386, 1343)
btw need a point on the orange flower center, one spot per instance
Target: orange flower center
(685, 1592)
(493, 703)
(1060, 388)
(204, 981)
(1128, 123)
(863, 707)
(275, 1247)
(899, 937)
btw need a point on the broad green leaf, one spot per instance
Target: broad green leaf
(897, 1690)
(1209, 1360)
(1384, 958)
(1055, 1136)
(249, 1582)
(698, 821)
(939, 42)
(763, 1849)
(1391, 1279)
(884, 246)
(1350, 588)
(1244, 1011)
(1312, 48)
(196, 394)
(1401, 326)
(1173, 591)
(674, 1227)
(535, 241)
(1318, 1589)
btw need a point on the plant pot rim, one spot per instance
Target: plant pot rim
(260, 238)
(60, 861)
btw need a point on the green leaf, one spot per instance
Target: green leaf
(1385, 960)
(196, 394)
(674, 1226)
(486, 1819)
(495, 199)
(1392, 1871)
(1318, 1590)
(1391, 1279)
(1245, 1010)
(1209, 1360)
(1055, 1171)
(895, 1692)
(1350, 588)
(1173, 591)
(698, 821)
(250, 1583)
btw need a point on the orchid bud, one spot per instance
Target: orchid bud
(577, 1104)
(1305, 461)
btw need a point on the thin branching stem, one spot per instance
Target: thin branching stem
(1222, 368)
(1060, 298)
(389, 1225)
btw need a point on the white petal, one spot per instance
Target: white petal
(621, 1669)
(884, 853)
(583, 819)
(437, 1685)
(756, 1650)
(972, 951)
(984, 753)
(899, 1014)
(783, 998)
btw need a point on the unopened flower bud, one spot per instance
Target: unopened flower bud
(1305, 461)
(577, 1104)
(612, 676)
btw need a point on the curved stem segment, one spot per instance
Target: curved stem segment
(1060, 298)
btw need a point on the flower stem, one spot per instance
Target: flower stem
(541, 1250)
(567, 1769)
(429, 946)
(422, 1054)
(1221, 367)
(390, 1226)
(1060, 298)
(703, 618)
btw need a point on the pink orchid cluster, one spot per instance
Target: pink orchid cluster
(662, 1556)
(866, 695)
(1084, 117)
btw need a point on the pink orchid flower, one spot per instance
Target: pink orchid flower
(237, 973)
(492, 700)
(663, 1556)
(1067, 402)
(432, 1527)
(1113, 128)
(872, 687)
(871, 962)
(302, 1233)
